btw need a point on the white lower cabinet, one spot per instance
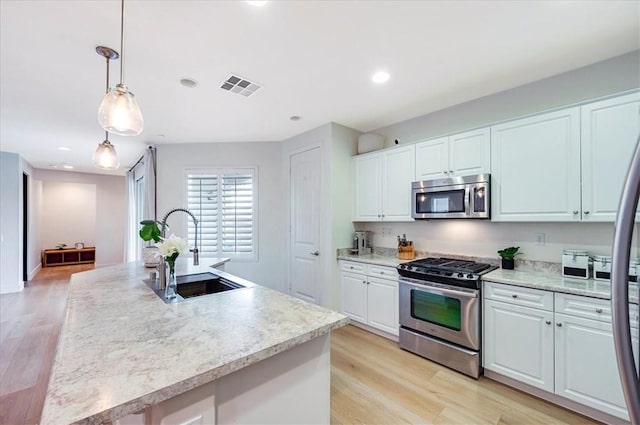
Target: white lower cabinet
(567, 350)
(370, 295)
(519, 343)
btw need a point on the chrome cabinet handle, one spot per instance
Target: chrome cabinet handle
(316, 253)
(445, 172)
(559, 324)
(450, 171)
(598, 310)
(575, 212)
(381, 272)
(364, 281)
(548, 322)
(586, 213)
(514, 296)
(351, 267)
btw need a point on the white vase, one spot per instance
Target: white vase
(151, 256)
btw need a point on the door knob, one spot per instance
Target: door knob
(575, 212)
(548, 322)
(316, 253)
(558, 324)
(586, 213)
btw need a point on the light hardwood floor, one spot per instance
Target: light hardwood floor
(372, 380)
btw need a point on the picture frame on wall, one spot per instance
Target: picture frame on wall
(79, 245)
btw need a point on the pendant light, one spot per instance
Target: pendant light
(119, 112)
(105, 156)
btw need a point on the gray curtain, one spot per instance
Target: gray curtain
(130, 253)
(149, 206)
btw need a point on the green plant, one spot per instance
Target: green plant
(150, 231)
(509, 253)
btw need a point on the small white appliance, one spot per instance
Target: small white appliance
(602, 267)
(575, 263)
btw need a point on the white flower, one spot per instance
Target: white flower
(171, 245)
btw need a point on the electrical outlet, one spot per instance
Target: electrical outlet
(540, 239)
(386, 232)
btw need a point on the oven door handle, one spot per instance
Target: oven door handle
(439, 290)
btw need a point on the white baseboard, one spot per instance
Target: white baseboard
(34, 272)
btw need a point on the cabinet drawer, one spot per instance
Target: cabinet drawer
(590, 308)
(518, 295)
(383, 272)
(352, 266)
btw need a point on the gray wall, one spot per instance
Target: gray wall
(10, 223)
(612, 76)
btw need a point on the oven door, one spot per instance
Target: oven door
(443, 311)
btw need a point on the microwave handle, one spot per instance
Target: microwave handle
(467, 200)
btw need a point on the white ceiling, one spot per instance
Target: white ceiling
(313, 58)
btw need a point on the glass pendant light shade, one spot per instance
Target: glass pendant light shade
(105, 157)
(119, 112)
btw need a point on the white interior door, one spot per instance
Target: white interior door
(305, 192)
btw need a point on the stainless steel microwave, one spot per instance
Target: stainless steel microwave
(455, 197)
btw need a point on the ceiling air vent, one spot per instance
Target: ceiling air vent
(240, 86)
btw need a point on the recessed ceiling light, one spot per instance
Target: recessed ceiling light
(63, 148)
(67, 166)
(380, 77)
(189, 82)
(294, 118)
(257, 3)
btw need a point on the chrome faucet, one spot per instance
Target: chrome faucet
(162, 267)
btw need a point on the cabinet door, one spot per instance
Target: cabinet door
(535, 166)
(610, 130)
(432, 159)
(470, 153)
(354, 296)
(368, 180)
(382, 303)
(518, 343)
(399, 172)
(586, 366)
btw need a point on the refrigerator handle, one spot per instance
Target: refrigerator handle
(620, 287)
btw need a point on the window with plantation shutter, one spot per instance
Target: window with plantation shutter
(223, 201)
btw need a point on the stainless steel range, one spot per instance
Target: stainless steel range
(440, 307)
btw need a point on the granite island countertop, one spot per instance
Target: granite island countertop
(121, 348)
(557, 283)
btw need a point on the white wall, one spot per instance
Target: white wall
(109, 213)
(68, 214)
(174, 159)
(483, 238)
(10, 223)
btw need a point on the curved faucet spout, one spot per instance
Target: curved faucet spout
(163, 228)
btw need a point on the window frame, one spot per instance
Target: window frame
(219, 172)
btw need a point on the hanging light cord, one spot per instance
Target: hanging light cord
(122, 44)
(106, 133)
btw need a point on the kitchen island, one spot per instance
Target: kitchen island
(237, 356)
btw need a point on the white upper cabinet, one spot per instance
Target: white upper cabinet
(368, 175)
(610, 130)
(432, 159)
(383, 185)
(461, 154)
(535, 168)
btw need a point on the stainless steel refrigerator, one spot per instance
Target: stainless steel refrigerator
(622, 240)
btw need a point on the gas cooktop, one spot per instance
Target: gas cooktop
(456, 272)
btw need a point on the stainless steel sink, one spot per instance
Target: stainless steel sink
(196, 285)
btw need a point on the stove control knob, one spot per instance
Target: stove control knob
(460, 275)
(469, 276)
